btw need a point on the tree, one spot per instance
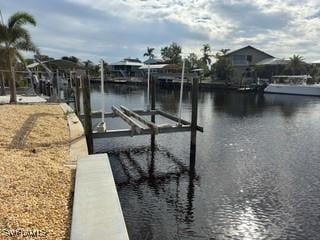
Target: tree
(172, 53)
(206, 50)
(149, 53)
(92, 70)
(3, 65)
(223, 67)
(43, 57)
(297, 65)
(71, 59)
(13, 38)
(192, 61)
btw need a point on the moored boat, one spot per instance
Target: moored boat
(293, 84)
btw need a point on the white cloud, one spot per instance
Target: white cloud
(124, 28)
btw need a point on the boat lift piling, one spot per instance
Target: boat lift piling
(87, 111)
(194, 122)
(153, 107)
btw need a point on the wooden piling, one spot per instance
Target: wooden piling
(48, 89)
(3, 92)
(77, 95)
(87, 112)
(153, 106)
(41, 86)
(194, 123)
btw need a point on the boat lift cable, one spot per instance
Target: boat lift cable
(181, 90)
(102, 92)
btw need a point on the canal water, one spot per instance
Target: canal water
(257, 167)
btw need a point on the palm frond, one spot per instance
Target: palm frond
(21, 40)
(3, 33)
(21, 18)
(20, 57)
(26, 45)
(17, 33)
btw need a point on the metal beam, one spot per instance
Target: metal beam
(141, 119)
(136, 126)
(97, 114)
(146, 131)
(176, 119)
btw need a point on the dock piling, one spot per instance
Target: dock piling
(194, 123)
(77, 94)
(87, 112)
(153, 106)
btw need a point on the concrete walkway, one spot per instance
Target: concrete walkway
(23, 99)
(97, 213)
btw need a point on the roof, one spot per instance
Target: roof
(58, 63)
(127, 62)
(198, 70)
(273, 61)
(316, 62)
(291, 76)
(235, 51)
(159, 66)
(153, 66)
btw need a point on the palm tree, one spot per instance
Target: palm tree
(296, 64)
(206, 50)
(222, 53)
(149, 53)
(13, 37)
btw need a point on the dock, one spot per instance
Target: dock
(97, 212)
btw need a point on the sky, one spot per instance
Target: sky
(116, 29)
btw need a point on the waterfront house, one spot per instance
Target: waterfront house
(127, 68)
(243, 61)
(268, 67)
(165, 73)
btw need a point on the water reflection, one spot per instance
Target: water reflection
(242, 105)
(257, 170)
(168, 179)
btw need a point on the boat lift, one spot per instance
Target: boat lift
(139, 125)
(137, 120)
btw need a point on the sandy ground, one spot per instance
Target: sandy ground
(35, 186)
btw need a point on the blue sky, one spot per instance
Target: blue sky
(114, 29)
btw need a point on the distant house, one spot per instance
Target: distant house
(127, 68)
(163, 72)
(269, 67)
(243, 61)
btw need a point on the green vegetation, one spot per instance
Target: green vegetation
(206, 50)
(223, 67)
(13, 38)
(71, 59)
(297, 65)
(172, 53)
(149, 53)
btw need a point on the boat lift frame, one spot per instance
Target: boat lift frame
(140, 125)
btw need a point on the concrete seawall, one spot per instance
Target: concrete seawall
(97, 211)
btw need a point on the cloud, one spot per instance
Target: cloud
(113, 29)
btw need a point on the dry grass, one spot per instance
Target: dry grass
(35, 186)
